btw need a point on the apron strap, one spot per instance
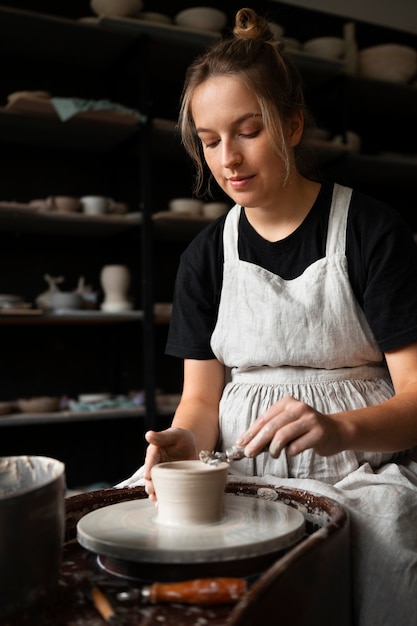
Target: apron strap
(336, 234)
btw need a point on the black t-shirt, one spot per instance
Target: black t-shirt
(382, 266)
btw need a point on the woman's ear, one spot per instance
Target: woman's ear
(296, 128)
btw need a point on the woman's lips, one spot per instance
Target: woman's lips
(240, 182)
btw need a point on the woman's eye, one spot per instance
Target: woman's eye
(211, 144)
(255, 133)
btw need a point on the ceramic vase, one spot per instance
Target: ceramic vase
(115, 281)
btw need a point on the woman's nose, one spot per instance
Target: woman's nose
(231, 156)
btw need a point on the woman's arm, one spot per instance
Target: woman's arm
(387, 427)
(196, 422)
(198, 410)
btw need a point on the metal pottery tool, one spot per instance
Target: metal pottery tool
(198, 591)
(234, 453)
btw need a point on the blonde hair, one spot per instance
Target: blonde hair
(253, 55)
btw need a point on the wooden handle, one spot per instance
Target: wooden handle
(103, 605)
(199, 591)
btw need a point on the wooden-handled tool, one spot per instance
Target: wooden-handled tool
(199, 591)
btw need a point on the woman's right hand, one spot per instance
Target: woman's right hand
(172, 444)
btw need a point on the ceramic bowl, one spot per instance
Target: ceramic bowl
(327, 47)
(214, 209)
(390, 62)
(41, 404)
(119, 8)
(191, 206)
(66, 300)
(201, 18)
(10, 301)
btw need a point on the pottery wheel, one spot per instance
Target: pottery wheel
(250, 527)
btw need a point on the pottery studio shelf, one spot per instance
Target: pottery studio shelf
(166, 406)
(91, 133)
(94, 318)
(21, 217)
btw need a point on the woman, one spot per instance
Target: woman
(296, 317)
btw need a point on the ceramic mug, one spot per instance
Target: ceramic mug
(96, 205)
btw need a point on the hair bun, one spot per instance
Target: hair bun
(249, 25)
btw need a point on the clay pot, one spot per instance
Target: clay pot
(189, 492)
(32, 523)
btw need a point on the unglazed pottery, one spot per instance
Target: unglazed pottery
(115, 281)
(32, 516)
(189, 492)
(66, 301)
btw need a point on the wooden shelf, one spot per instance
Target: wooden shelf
(80, 318)
(21, 217)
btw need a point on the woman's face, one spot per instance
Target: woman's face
(235, 144)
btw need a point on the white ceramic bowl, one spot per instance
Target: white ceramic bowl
(201, 18)
(327, 47)
(390, 62)
(191, 206)
(119, 8)
(66, 300)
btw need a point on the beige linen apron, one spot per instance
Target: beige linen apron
(308, 338)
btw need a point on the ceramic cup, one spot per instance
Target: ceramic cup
(189, 492)
(96, 205)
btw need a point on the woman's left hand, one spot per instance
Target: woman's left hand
(293, 425)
